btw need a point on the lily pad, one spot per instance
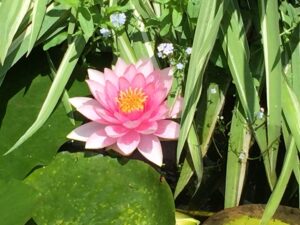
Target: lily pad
(100, 190)
(251, 214)
(17, 202)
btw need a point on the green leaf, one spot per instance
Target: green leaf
(86, 22)
(54, 21)
(17, 202)
(38, 14)
(176, 17)
(204, 40)
(238, 151)
(71, 3)
(20, 100)
(11, 16)
(100, 190)
(56, 40)
(269, 17)
(63, 74)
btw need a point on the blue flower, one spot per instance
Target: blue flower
(179, 66)
(188, 50)
(118, 19)
(105, 32)
(165, 49)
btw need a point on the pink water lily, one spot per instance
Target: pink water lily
(129, 110)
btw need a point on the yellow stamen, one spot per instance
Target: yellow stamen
(131, 100)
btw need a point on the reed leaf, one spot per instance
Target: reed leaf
(64, 72)
(210, 16)
(11, 16)
(269, 19)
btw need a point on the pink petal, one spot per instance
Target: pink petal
(166, 78)
(87, 107)
(150, 148)
(132, 124)
(98, 140)
(130, 73)
(160, 113)
(107, 116)
(115, 131)
(111, 93)
(120, 67)
(97, 76)
(175, 110)
(111, 76)
(95, 88)
(145, 67)
(123, 84)
(138, 81)
(167, 129)
(147, 128)
(129, 142)
(83, 132)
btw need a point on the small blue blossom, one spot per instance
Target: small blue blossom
(105, 32)
(179, 66)
(118, 19)
(165, 49)
(260, 114)
(160, 55)
(188, 50)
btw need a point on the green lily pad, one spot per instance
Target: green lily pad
(251, 214)
(21, 97)
(17, 202)
(100, 190)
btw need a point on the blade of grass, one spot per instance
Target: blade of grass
(210, 15)
(65, 96)
(38, 14)
(11, 16)
(238, 150)
(51, 25)
(210, 106)
(276, 196)
(63, 73)
(269, 19)
(185, 175)
(291, 110)
(236, 49)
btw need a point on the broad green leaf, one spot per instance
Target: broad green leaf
(144, 8)
(86, 22)
(176, 17)
(38, 14)
(17, 202)
(100, 190)
(21, 96)
(63, 74)
(11, 16)
(72, 3)
(269, 17)
(209, 19)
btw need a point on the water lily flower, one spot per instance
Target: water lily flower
(129, 110)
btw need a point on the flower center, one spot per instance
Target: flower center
(131, 100)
